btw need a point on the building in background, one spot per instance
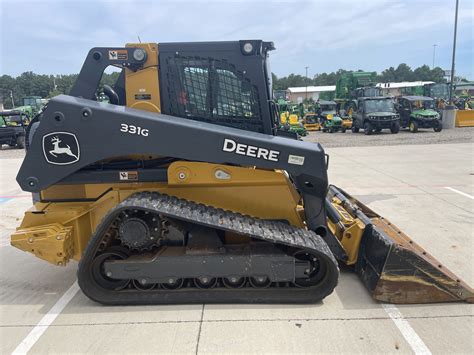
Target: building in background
(298, 94)
(464, 89)
(397, 89)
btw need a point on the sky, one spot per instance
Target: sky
(53, 37)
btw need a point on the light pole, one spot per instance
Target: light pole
(11, 96)
(434, 54)
(306, 68)
(454, 54)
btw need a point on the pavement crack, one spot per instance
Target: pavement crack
(201, 321)
(200, 326)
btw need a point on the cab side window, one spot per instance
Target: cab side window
(209, 90)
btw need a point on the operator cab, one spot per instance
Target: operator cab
(224, 83)
(327, 107)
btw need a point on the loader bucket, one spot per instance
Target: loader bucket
(392, 266)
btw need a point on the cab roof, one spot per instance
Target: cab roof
(12, 113)
(417, 98)
(376, 98)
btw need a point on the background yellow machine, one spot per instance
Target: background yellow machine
(311, 122)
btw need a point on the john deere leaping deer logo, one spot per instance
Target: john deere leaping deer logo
(61, 148)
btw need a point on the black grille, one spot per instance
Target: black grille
(210, 90)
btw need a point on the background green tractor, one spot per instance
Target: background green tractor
(289, 120)
(332, 123)
(328, 117)
(294, 125)
(31, 105)
(353, 85)
(437, 91)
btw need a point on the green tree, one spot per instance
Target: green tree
(388, 75)
(53, 93)
(109, 79)
(324, 79)
(276, 83)
(437, 75)
(422, 73)
(404, 72)
(31, 84)
(7, 83)
(64, 83)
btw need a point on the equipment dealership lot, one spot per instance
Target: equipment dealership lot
(425, 189)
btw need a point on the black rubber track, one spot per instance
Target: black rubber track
(271, 231)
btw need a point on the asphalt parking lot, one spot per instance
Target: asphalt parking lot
(427, 190)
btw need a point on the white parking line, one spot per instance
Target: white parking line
(416, 344)
(459, 192)
(46, 321)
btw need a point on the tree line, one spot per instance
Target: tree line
(402, 73)
(46, 86)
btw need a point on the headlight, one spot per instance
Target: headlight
(139, 54)
(248, 47)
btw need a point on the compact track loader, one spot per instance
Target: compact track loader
(182, 189)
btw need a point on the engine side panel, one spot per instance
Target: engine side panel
(78, 209)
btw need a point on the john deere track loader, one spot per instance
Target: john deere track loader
(180, 190)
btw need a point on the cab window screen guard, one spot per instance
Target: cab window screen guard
(211, 90)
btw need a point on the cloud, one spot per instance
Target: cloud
(325, 35)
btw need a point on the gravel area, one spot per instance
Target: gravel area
(404, 137)
(349, 139)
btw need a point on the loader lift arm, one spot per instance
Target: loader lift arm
(97, 60)
(305, 162)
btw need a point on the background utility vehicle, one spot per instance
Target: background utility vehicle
(375, 114)
(12, 128)
(418, 112)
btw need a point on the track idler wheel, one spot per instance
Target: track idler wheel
(314, 273)
(98, 273)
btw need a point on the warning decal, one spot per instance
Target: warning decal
(118, 54)
(295, 159)
(142, 97)
(128, 175)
